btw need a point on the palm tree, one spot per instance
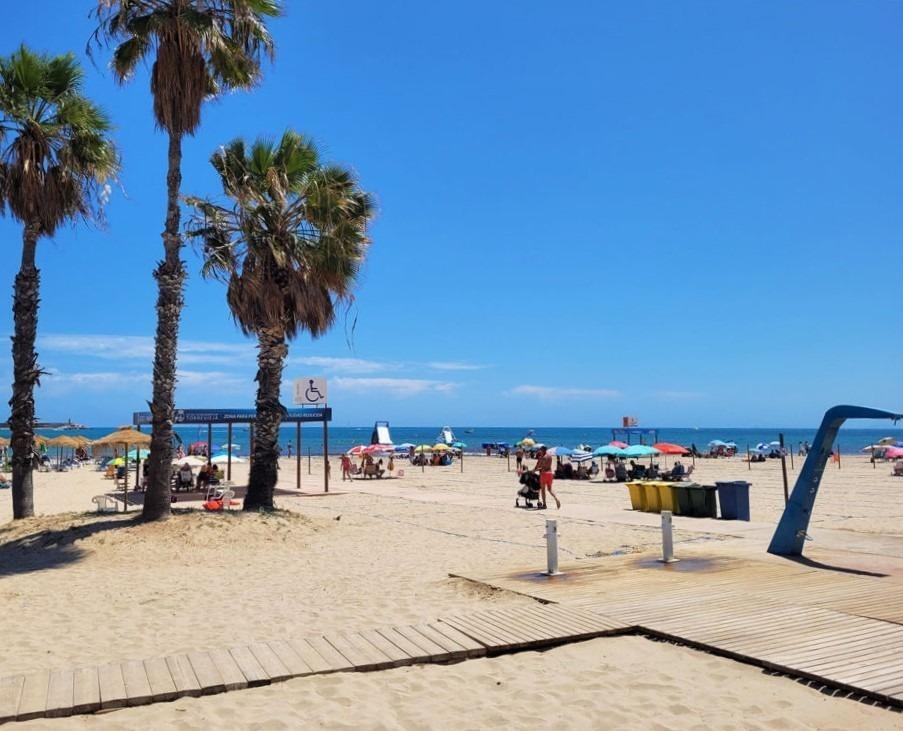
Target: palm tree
(55, 156)
(200, 48)
(289, 246)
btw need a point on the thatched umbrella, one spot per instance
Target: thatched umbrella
(60, 442)
(126, 437)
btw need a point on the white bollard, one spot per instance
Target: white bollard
(667, 539)
(552, 548)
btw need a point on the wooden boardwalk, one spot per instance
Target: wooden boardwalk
(842, 629)
(448, 639)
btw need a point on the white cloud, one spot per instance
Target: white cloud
(96, 381)
(451, 365)
(394, 386)
(141, 347)
(551, 393)
(342, 365)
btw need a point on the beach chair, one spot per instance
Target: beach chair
(372, 470)
(105, 504)
(898, 469)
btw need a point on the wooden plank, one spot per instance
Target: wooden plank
(336, 659)
(471, 646)
(85, 691)
(436, 652)
(217, 671)
(249, 666)
(269, 661)
(559, 626)
(314, 659)
(60, 694)
(396, 655)
(363, 654)
(182, 674)
(521, 625)
(33, 699)
(454, 650)
(414, 651)
(162, 686)
(291, 659)
(210, 679)
(10, 692)
(489, 641)
(137, 686)
(112, 686)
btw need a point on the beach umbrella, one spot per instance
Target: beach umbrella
(527, 442)
(138, 454)
(717, 443)
(640, 450)
(580, 455)
(4, 442)
(609, 451)
(222, 458)
(193, 461)
(357, 450)
(459, 445)
(440, 447)
(226, 446)
(403, 447)
(887, 441)
(377, 449)
(560, 452)
(893, 453)
(668, 448)
(124, 437)
(423, 448)
(118, 462)
(619, 444)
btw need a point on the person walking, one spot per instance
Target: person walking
(346, 467)
(546, 476)
(519, 459)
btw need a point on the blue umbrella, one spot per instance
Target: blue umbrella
(560, 451)
(609, 451)
(579, 455)
(717, 443)
(459, 445)
(640, 450)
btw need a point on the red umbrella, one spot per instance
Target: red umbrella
(893, 453)
(377, 449)
(619, 445)
(668, 448)
(356, 451)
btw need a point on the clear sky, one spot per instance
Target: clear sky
(688, 212)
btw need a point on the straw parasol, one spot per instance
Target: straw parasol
(125, 437)
(63, 441)
(4, 442)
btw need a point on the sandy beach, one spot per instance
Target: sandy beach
(93, 588)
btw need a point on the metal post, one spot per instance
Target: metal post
(667, 539)
(508, 456)
(325, 456)
(308, 461)
(462, 459)
(251, 442)
(838, 455)
(298, 455)
(874, 465)
(552, 547)
(125, 482)
(784, 469)
(209, 441)
(791, 455)
(229, 452)
(748, 463)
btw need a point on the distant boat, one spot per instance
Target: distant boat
(468, 431)
(69, 426)
(446, 436)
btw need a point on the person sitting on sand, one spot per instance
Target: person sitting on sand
(546, 477)
(4, 482)
(204, 476)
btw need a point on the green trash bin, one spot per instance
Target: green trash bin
(703, 502)
(682, 498)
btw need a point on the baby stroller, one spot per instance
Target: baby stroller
(529, 493)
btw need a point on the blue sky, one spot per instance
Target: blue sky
(689, 212)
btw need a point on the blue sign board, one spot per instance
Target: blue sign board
(227, 416)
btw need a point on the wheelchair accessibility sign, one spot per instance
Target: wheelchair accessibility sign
(310, 391)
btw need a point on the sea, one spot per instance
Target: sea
(849, 441)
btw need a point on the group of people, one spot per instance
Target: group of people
(367, 468)
(208, 474)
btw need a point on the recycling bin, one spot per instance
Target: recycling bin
(667, 496)
(734, 499)
(653, 497)
(637, 495)
(703, 503)
(682, 496)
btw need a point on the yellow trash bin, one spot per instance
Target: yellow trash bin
(653, 497)
(637, 498)
(668, 496)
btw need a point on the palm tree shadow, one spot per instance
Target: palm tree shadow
(52, 549)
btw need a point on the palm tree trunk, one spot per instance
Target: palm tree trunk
(271, 354)
(170, 276)
(26, 374)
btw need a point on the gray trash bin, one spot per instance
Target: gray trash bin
(734, 499)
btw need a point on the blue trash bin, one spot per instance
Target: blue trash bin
(734, 499)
